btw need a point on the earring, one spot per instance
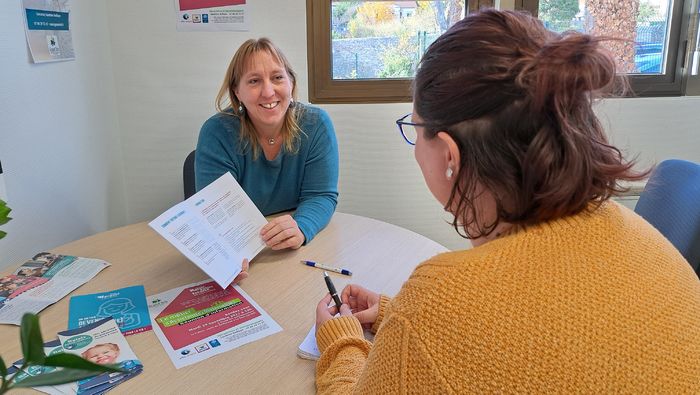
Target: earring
(241, 109)
(448, 173)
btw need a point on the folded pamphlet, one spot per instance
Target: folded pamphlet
(42, 281)
(102, 343)
(216, 228)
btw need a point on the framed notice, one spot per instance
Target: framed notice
(47, 26)
(211, 15)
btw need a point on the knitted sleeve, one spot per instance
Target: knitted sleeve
(399, 362)
(383, 303)
(319, 187)
(215, 150)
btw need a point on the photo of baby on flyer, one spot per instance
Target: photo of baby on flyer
(102, 343)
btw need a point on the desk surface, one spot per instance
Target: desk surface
(381, 257)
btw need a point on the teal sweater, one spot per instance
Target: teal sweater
(306, 181)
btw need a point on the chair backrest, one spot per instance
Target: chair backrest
(188, 175)
(671, 203)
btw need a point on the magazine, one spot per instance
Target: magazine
(50, 348)
(126, 305)
(42, 281)
(102, 343)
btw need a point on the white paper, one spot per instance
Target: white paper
(216, 228)
(203, 334)
(308, 349)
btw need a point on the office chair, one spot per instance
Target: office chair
(188, 175)
(671, 203)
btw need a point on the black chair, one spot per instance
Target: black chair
(671, 203)
(188, 175)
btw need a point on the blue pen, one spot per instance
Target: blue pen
(329, 268)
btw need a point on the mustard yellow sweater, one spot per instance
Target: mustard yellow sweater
(598, 302)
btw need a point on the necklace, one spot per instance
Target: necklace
(271, 141)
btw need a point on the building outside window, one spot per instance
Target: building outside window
(367, 51)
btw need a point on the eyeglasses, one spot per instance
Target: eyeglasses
(408, 129)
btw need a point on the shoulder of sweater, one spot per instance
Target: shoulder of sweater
(312, 117)
(222, 122)
(607, 221)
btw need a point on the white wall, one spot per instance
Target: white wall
(165, 86)
(166, 82)
(59, 144)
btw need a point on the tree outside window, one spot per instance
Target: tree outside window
(385, 39)
(641, 24)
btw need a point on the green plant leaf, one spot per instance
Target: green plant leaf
(5, 220)
(56, 377)
(4, 211)
(2, 234)
(3, 368)
(64, 360)
(32, 343)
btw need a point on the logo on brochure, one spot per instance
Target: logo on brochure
(186, 17)
(75, 342)
(201, 347)
(185, 352)
(196, 18)
(214, 343)
(205, 18)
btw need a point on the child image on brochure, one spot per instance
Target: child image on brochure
(101, 343)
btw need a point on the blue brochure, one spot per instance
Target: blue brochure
(126, 305)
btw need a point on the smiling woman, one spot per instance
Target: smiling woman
(298, 168)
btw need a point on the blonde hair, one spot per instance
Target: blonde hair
(227, 102)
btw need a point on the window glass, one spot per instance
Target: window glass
(644, 23)
(385, 39)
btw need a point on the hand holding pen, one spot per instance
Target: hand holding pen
(332, 291)
(323, 311)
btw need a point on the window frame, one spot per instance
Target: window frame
(324, 89)
(673, 81)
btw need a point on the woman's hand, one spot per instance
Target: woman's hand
(282, 232)
(244, 272)
(363, 303)
(325, 313)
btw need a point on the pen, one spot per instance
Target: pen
(329, 268)
(331, 289)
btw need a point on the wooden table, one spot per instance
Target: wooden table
(381, 257)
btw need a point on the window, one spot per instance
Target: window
(654, 58)
(366, 51)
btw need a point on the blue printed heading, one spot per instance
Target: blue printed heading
(46, 20)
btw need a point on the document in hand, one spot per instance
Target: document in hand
(215, 229)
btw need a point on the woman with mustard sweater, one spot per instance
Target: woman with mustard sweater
(565, 290)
